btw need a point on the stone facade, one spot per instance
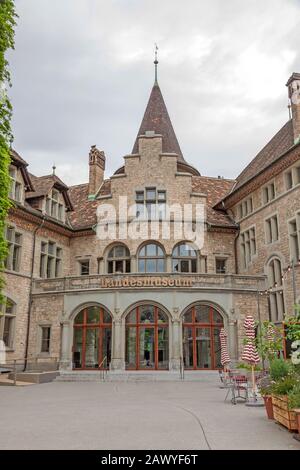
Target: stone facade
(50, 287)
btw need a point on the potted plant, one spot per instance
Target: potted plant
(294, 404)
(284, 393)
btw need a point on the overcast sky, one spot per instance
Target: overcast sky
(82, 72)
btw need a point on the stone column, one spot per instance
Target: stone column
(133, 264)
(117, 356)
(101, 266)
(176, 341)
(65, 361)
(169, 263)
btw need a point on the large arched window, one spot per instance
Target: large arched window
(7, 322)
(118, 260)
(201, 337)
(151, 259)
(184, 259)
(92, 338)
(147, 338)
(276, 295)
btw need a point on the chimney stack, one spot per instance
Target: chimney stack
(96, 170)
(293, 85)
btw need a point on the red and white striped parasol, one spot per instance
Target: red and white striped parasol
(225, 359)
(250, 353)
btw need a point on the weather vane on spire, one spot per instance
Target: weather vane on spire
(156, 63)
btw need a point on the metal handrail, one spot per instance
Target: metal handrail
(103, 371)
(16, 362)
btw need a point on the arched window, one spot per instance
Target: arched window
(276, 295)
(7, 322)
(184, 259)
(147, 338)
(92, 338)
(118, 260)
(151, 259)
(201, 337)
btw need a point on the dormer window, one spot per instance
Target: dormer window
(15, 192)
(54, 207)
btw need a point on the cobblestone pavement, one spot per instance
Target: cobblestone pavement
(133, 415)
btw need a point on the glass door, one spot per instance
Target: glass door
(92, 348)
(146, 348)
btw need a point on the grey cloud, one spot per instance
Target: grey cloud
(82, 73)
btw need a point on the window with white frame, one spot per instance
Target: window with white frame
(7, 322)
(184, 259)
(248, 245)
(221, 265)
(245, 208)
(118, 260)
(151, 203)
(151, 259)
(275, 279)
(54, 208)
(84, 267)
(15, 192)
(45, 339)
(268, 193)
(294, 236)
(14, 243)
(272, 229)
(50, 260)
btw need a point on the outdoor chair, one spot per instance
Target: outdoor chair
(238, 387)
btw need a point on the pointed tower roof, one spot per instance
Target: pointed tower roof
(157, 119)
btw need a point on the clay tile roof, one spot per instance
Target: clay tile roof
(17, 158)
(84, 213)
(43, 184)
(215, 189)
(280, 143)
(22, 164)
(156, 118)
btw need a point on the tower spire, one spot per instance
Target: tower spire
(155, 64)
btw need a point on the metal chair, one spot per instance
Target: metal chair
(238, 388)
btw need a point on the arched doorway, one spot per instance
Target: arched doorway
(201, 340)
(147, 338)
(92, 338)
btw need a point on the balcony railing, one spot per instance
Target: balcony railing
(155, 280)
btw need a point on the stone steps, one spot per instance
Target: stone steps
(136, 376)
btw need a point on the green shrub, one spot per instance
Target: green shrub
(294, 397)
(279, 368)
(285, 385)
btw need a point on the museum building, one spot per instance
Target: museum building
(151, 303)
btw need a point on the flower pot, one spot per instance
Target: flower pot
(297, 411)
(282, 413)
(269, 406)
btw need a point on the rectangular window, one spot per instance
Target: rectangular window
(248, 245)
(272, 231)
(14, 242)
(245, 208)
(84, 267)
(288, 179)
(53, 207)
(294, 234)
(45, 339)
(15, 192)
(220, 265)
(268, 193)
(50, 260)
(151, 203)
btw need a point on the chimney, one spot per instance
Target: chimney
(293, 85)
(96, 171)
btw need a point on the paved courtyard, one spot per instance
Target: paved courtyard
(133, 415)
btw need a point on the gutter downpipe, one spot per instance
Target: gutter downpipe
(30, 292)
